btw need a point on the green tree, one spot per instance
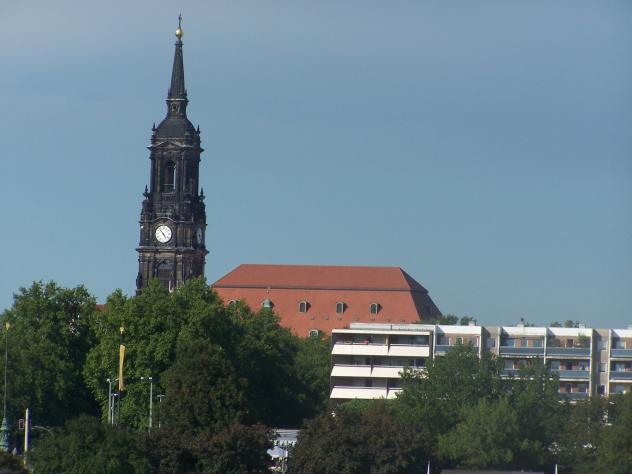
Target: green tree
(367, 440)
(615, 450)
(264, 354)
(234, 449)
(87, 445)
(202, 389)
(267, 357)
(434, 399)
(578, 442)
(534, 397)
(312, 366)
(153, 322)
(488, 437)
(48, 340)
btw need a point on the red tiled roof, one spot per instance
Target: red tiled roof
(334, 277)
(400, 298)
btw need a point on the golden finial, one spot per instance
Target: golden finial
(179, 32)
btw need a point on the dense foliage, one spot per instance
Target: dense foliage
(225, 374)
(361, 438)
(460, 413)
(49, 336)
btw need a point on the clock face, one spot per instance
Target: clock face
(163, 234)
(198, 235)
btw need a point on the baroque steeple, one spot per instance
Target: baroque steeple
(173, 215)
(177, 92)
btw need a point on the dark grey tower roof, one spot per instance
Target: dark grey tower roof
(176, 125)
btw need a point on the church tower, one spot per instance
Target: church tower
(173, 216)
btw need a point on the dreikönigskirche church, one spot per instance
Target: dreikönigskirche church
(173, 216)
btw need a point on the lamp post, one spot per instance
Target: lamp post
(110, 400)
(160, 397)
(151, 401)
(4, 429)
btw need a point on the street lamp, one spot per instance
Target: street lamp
(110, 400)
(160, 397)
(151, 401)
(4, 429)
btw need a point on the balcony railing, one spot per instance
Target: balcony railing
(525, 351)
(621, 353)
(568, 351)
(574, 395)
(510, 372)
(571, 374)
(443, 348)
(620, 375)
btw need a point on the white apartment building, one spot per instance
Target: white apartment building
(367, 359)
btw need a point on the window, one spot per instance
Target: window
(374, 308)
(524, 342)
(266, 303)
(232, 302)
(601, 390)
(314, 333)
(569, 343)
(568, 387)
(302, 307)
(340, 307)
(582, 387)
(618, 344)
(169, 177)
(368, 383)
(602, 345)
(555, 365)
(602, 367)
(459, 340)
(537, 343)
(490, 343)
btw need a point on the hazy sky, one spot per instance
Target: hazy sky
(485, 147)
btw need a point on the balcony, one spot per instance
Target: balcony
(620, 375)
(568, 351)
(365, 393)
(347, 370)
(443, 348)
(522, 351)
(621, 353)
(571, 374)
(410, 350)
(574, 395)
(392, 392)
(387, 372)
(359, 348)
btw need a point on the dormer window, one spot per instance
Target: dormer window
(303, 306)
(340, 307)
(266, 303)
(232, 302)
(374, 308)
(169, 177)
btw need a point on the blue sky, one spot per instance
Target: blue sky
(485, 147)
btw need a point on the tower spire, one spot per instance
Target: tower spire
(177, 91)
